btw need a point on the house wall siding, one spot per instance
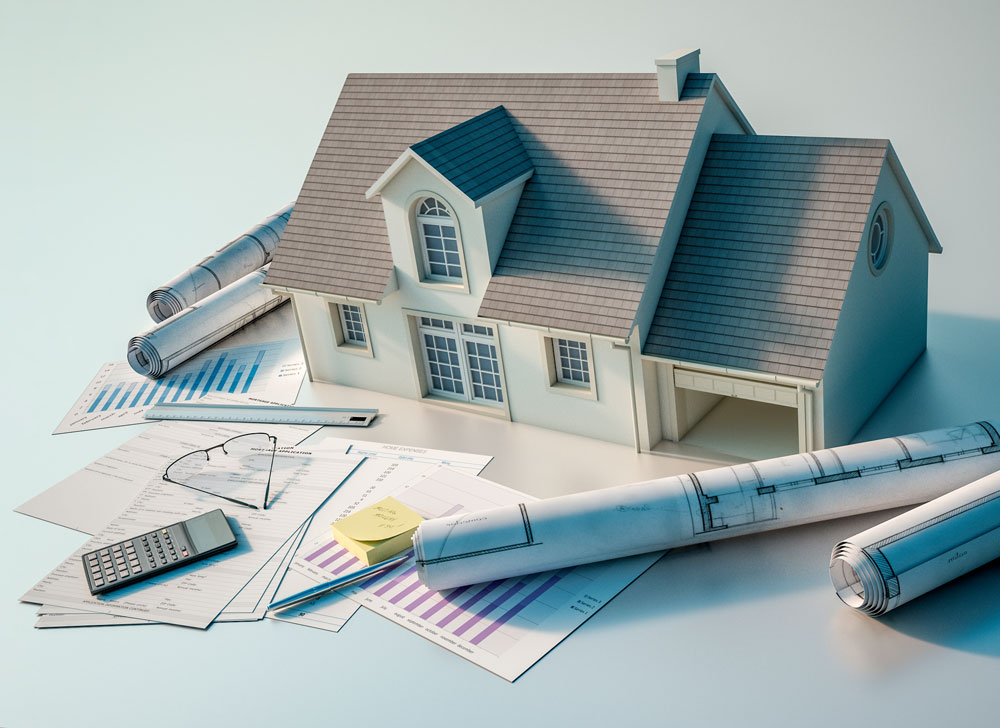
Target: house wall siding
(533, 401)
(883, 323)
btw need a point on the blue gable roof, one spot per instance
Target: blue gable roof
(478, 156)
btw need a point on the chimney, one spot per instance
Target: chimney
(672, 69)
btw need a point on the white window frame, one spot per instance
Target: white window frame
(556, 381)
(419, 244)
(460, 333)
(342, 341)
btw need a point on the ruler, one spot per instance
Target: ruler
(269, 415)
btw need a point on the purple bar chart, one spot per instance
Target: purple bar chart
(488, 616)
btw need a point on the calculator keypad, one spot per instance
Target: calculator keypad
(144, 554)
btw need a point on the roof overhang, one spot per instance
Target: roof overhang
(934, 245)
(411, 156)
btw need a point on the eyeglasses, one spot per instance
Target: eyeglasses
(244, 466)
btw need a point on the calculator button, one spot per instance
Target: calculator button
(136, 569)
(184, 552)
(112, 577)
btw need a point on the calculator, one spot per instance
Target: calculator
(126, 562)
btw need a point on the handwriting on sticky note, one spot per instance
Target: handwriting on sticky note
(379, 521)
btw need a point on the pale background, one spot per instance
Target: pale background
(136, 139)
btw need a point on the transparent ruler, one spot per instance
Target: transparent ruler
(268, 415)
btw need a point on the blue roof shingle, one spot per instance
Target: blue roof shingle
(478, 156)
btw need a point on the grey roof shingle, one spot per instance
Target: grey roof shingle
(478, 156)
(760, 271)
(607, 156)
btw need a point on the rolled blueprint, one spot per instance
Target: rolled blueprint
(197, 327)
(713, 504)
(911, 554)
(228, 264)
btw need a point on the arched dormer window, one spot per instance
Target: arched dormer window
(438, 241)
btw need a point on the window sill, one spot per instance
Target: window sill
(355, 350)
(482, 409)
(571, 390)
(444, 286)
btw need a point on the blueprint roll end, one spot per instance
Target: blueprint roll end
(857, 579)
(162, 304)
(143, 358)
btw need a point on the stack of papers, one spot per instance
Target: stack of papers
(504, 627)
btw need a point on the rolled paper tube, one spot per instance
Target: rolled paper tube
(228, 264)
(713, 504)
(911, 554)
(180, 337)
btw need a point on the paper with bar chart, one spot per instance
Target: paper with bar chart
(264, 373)
(385, 470)
(505, 625)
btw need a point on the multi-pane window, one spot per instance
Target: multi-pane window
(461, 362)
(438, 241)
(352, 323)
(572, 364)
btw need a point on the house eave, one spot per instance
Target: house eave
(933, 244)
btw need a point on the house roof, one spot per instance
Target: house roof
(477, 157)
(606, 153)
(760, 271)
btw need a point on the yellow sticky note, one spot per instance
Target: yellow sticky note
(378, 532)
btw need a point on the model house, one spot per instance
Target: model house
(612, 255)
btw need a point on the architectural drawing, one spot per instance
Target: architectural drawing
(237, 258)
(684, 509)
(909, 555)
(612, 255)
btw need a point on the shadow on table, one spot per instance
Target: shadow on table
(954, 382)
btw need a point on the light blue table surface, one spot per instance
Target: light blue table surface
(135, 140)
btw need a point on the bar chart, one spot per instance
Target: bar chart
(269, 372)
(505, 626)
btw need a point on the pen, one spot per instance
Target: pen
(338, 583)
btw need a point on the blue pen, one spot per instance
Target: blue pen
(338, 583)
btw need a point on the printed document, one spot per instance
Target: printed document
(194, 595)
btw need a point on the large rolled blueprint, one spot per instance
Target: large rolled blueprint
(197, 327)
(920, 550)
(228, 264)
(713, 504)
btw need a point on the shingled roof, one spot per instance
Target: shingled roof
(607, 156)
(759, 275)
(478, 156)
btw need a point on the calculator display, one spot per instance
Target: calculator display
(208, 531)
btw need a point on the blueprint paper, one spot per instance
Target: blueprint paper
(911, 554)
(175, 340)
(228, 264)
(301, 481)
(268, 373)
(89, 499)
(387, 468)
(680, 510)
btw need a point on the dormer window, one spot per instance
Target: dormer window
(438, 241)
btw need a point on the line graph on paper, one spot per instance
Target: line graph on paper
(506, 625)
(269, 372)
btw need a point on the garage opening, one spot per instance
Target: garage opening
(737, 416)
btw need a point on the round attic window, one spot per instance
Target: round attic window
(880, 239)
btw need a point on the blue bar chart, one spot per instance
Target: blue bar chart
(266, 373)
